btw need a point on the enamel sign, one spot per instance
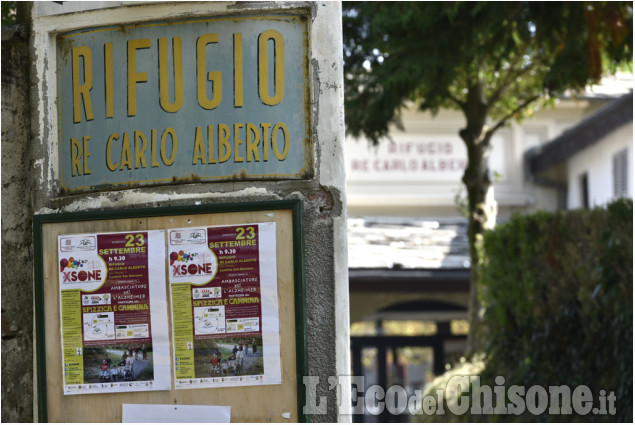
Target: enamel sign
(223, 98)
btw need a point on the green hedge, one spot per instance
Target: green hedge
(558, 295)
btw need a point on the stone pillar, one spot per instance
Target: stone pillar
(322, 190)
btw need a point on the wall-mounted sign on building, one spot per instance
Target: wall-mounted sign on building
(425, 157)
(223, 98)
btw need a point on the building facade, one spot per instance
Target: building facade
(408, 250)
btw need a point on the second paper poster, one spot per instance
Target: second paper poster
(225, 324)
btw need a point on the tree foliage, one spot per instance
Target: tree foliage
(559, 303)
(8, 12)
(433, 53)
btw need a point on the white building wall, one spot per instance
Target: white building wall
(597, 162)
(390, 179)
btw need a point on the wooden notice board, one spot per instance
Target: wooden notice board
(258, 403)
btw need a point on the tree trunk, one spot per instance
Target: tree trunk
(481, 204)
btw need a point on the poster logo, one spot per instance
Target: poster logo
(182, 256)
(79, 265)
(99, 299)
(191, 269)
(196, 236)
(197, 265)
(79, 270)
(194, 270)
(78, 243)
(214, 292)
(187, 236)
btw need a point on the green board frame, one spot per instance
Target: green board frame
(297, 212)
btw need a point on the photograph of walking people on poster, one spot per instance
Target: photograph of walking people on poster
(223, 285)
(228, 357)
(113, 306)
(113, 363)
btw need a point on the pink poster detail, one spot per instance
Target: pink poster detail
(126, 258)
(238, 278)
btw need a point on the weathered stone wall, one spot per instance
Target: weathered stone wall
(17, 254)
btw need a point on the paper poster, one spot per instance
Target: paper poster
(175, 413)
(223, 285)
(113, 305)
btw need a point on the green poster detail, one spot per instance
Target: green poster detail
(72, 337)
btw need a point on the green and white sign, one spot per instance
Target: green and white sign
(223, 98)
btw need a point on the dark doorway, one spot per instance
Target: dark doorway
(407, 353)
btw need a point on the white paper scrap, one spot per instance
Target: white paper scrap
(170, 413)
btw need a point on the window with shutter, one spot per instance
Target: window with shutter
(620, 172)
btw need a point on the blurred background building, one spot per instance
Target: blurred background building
(409, 263)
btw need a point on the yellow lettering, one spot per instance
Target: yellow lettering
(111, 166)
(203, 77)
(210, 142)
(238, 70)
(76, 156)
(199, 147)
(265, 141)
(81, 92)
(253, 140)
(125, 152)
(153, 144)
(177, 60)
(285, 133)
(140, 144)
(224, 148)
(263, 67)
(166, 160)
(109, 83)
(237, 142)
(135, 77)
(86, 154)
